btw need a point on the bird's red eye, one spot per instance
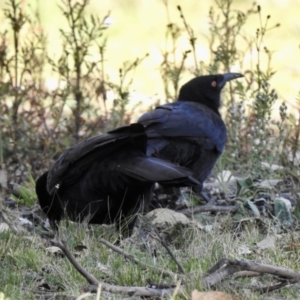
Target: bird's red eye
(214, 84)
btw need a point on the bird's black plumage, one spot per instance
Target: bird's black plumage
(190, 132)
(105, 179)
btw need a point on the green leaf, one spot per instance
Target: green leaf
(241, 212)
(253, 208)
(243, 184)
(283, 212)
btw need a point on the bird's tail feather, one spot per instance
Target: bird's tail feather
(157, 170)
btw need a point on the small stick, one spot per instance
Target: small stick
(132, 290)
(208, 208)
(160, 239)
(64, 247)
(244, 274)
(262, 268)
(168, 250)
(219, 275)
(271, 288)
(217, 266)
(11, 226)
(53, 295)
(132, 258)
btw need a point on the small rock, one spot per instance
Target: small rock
(24, 221)
(10, 202)
(207, 228)
(162, 217)
(273, 167)
(269, 183)
(289, 197)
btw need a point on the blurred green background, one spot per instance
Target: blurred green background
(140, 27)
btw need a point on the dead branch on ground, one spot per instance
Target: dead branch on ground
(226, 267)
(208, 208)
(220, 272)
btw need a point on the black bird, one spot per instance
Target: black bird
(105, 179)
(190, 132)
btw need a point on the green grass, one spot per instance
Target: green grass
(24, 260)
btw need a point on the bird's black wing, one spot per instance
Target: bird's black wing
(75, 160)
(187, 120)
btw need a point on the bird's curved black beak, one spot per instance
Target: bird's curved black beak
(228, 77)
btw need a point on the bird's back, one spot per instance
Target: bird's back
(187, 133)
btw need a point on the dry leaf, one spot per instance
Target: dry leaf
(196, 295)
(54, 250)
(4, 227)
(3, 178)
(244, 250)
(267, 243)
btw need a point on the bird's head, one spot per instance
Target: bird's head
(206, 89)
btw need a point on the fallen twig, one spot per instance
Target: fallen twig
(158, 237)
(168, 250)
(53, 295)
(208, 208)
(131, 291)
(10, 224)
(219, 276)
(226, 267)
(64, 247)
(292, 246)
(266, 269)
(271, 288)
(244, 274)
(132, 258)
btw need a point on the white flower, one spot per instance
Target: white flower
(108, 21)
(256, 141)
